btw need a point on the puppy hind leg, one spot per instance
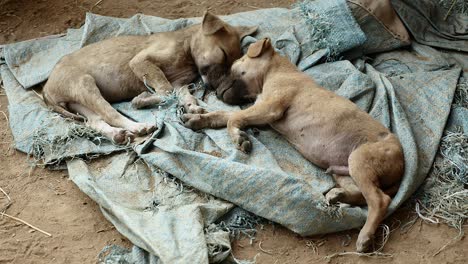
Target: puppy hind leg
(339, 170)
(91, 98)
(117, 135)
(366, 178)
(347, 192)
(378, 203)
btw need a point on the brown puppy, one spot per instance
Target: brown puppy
(118, 69)
(329, 130)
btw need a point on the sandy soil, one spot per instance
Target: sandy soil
(50, 201)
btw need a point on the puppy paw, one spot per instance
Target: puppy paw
(364, 243)
(145, 99)
(137, 103)
(142, 129)
(194, 109)
(334, 195)
(193, 121)
(123, 137)
(243, 142)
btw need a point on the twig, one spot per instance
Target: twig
(26, 223)
(418, 211)
(106, 229)
(97, 3)
(457, 238)
(38, 95)
(315, 244)
(6, 117)
(253, 7)
(450, 9)
(408, 225)
(9, 200)
(442, 248)
(6, 194)
(263, 250)
(375, 254)
(370, 255)
(455, 194)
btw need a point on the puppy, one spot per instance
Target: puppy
(329, 130)
(122, 68)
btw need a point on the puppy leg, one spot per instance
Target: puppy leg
(117, 135)
(90, 97)
(261, 113)
(347, 192)
(365, 174)
(339, 170)
(147, 71)
(215, 119)
(146, 99)
(189, 101)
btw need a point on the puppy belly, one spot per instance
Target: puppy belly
(320, 146)
(119, 85)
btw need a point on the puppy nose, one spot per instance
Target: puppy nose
(208, 86)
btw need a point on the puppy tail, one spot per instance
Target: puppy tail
(60, 109)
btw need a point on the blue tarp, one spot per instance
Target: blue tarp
(143, 194)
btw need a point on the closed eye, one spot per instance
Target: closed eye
(225, 58)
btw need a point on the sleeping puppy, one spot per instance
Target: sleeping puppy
(85, 82)
(365, 158)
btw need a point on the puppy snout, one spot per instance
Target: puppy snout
(213, 75)
(224, 85)
(207, 84)
(231, 96)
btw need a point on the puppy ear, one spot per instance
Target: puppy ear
(246, 31)
(258, 48)
(211, 24)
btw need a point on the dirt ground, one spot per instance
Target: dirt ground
(50, 201)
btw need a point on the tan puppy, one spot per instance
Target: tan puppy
(327, 129)
(117, 69)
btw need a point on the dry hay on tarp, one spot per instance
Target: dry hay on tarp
(443, 198)
(460, 98)
(43, 144)
(320, 25)
(454, 6)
